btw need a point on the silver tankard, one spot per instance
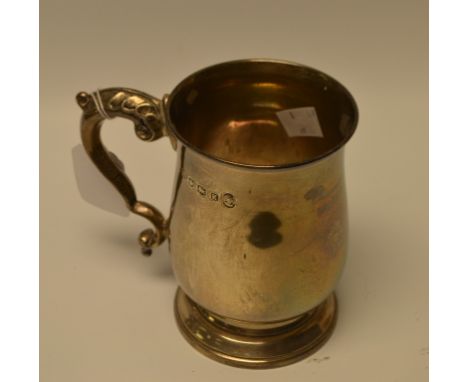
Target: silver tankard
(258, 225)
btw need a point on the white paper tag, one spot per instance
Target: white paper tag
(300, 122)
(94, 188)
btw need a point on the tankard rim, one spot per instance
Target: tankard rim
(280, 63)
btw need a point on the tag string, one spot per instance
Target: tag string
(99, 104)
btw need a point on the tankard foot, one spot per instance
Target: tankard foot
(255, 345)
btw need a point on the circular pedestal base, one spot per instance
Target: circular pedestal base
(255, 345)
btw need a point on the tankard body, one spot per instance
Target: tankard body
(257, 229)
(258, 245)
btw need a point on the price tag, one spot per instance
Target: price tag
(94, 188)
(300, 122)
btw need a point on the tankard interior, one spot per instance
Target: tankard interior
(230, 112)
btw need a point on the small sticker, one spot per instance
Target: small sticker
(300, 122)
(94, 188)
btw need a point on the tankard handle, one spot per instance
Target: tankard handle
(147, 115)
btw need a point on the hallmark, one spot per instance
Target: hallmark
(227, 199)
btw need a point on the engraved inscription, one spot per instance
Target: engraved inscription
(227, 199)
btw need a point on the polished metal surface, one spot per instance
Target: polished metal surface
(258, 348)
(258, 224)
(228, 112)
(276, 251)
